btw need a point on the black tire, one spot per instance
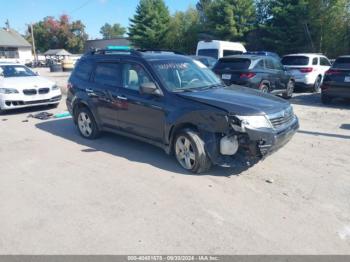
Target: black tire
(317, 86)
(325, 99)
(264, 88)
(84, 118)
(201, 162)
(290, 90)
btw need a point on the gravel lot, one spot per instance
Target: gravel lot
(61, 194)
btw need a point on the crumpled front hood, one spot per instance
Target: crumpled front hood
(30, 82)
(239, 100)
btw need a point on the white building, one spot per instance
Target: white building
(13, 47)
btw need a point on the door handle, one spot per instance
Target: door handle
(89, 90)
(122, 98)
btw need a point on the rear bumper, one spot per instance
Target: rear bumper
(336, 91)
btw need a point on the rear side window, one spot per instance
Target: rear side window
(108, 74)
(231, 52)
(83, 70)
(269, 64)
(315, 61)
(214, 53)
(295, 60)
(260, 65)
(233, 64)
(324, 62)
(342, 63)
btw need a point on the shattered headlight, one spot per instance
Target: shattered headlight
(8, 91)
(254, 122)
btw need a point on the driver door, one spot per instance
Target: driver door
(139, 114)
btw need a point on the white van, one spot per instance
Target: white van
(218, 49)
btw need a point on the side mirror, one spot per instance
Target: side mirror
(150, 88)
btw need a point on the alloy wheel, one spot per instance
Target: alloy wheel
(85, 124)
(185, 153)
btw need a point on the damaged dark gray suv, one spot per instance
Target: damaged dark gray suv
(178, 104)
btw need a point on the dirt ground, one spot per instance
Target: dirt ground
(61, 194)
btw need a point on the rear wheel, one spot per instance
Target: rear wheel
(325, 99)
(290, 90)
(264, 88)
(317, 85)
(86, 123)
(190, 152)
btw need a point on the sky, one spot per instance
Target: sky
(93, 13)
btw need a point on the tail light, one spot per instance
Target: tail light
(306, 70)
(247, 75)
(332, 72)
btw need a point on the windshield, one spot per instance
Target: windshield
(184, 75)
(214, 53)
(16, 71)
(295, 60)
(342, 63)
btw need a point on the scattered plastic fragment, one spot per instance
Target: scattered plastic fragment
(41, 116)
(62, 115)
(269, 181)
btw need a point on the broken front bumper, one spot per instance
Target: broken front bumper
(255, 145)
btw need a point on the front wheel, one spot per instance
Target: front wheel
(290, 90)
(86, 123)
(190, 152)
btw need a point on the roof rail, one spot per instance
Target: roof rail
(160, 51)
(114, 52)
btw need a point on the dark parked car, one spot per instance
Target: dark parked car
(336, 83)
(179, 105)
(258, 72)
(208, 61)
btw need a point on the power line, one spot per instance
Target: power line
(81, 6)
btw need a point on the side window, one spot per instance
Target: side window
(107, 74)
(231, 52)
(134, 76)
(277, 65)
(269, 64)
(83, 70)
(260, 65)
(315, 61)
(324, 62)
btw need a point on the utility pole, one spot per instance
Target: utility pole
(33, 43)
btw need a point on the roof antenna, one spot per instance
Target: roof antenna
(7, 23)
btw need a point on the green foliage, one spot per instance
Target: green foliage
(230, 19)
(109, 31)
(150, 24)
(183, 31)
(51, 33)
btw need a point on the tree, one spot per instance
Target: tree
(183, 31)
(150, 24)
(230, 19)
(286, 28)
(112, 31)
(51, 33)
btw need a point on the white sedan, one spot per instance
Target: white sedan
(21, 87)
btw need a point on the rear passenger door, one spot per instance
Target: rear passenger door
(140, 114)
(273, 75)
(283, 76)
(106, 84)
